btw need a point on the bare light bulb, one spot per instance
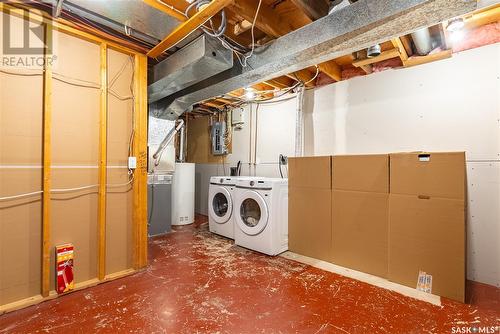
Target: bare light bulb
(249, 93)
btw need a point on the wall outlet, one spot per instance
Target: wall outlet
(132, 162)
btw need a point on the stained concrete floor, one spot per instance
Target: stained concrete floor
(200, 283)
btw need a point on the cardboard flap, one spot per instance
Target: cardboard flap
(309, 172)
(428, 174)
(368, 173)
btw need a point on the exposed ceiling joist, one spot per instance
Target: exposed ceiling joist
(267, 21)
(305, 76)
(314, 9)
(187, 27)
(167, 9)
(280, 82)
(355, 27)
(396, 42)
(414, 61)
(393, 53)
(332, 69)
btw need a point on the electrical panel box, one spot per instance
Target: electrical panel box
(218, 137)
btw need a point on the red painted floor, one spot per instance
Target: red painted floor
(200, 283)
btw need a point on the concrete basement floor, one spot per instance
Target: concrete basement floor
(200, 283)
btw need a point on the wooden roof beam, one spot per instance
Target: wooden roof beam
(187, 27)
(314, 9)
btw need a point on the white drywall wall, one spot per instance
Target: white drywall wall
(450, 105)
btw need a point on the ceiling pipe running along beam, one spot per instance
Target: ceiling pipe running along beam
(355, 27)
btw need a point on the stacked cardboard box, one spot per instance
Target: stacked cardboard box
(309, 206)
(360, 195)
(427, 221)
(402, 221)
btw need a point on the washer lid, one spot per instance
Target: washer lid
(220, 205)
(251, 213)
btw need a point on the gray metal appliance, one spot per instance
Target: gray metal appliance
(159, 204)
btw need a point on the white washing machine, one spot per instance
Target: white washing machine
(261, 215)
(220, 205)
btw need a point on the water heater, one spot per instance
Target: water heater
(183, 194)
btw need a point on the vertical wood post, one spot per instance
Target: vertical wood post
(47, 157)
(140, 152)
(103, 126)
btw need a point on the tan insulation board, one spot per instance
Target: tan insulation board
(199, 149)
(20, 220)
(75, 120)
(20, 235)
(119, 237)
(74, 220)
(75, 142)
(119, 200)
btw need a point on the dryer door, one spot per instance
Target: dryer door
(220, 204)
(252, 215)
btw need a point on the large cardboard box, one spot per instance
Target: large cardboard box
(310, 172)
(309, 206)
(427, 220)
(432, 174)
(359, 232)
(428, 234)
(369, 173)
(360, 212)
(309, 222)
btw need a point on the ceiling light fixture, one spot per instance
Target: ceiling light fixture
(249, 93)
(456, 36)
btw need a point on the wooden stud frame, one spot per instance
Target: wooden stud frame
(140, 152)
(47, 157)
(103, 128)
(139, 148)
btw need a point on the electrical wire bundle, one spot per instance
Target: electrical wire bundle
(242, 53)
(84, 84)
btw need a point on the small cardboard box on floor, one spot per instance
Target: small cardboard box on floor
(360, 197)
(427, 221)
(309, 206)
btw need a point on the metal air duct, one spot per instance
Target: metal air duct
(197, 61)
(422, 40)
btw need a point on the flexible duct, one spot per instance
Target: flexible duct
(168, 138)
